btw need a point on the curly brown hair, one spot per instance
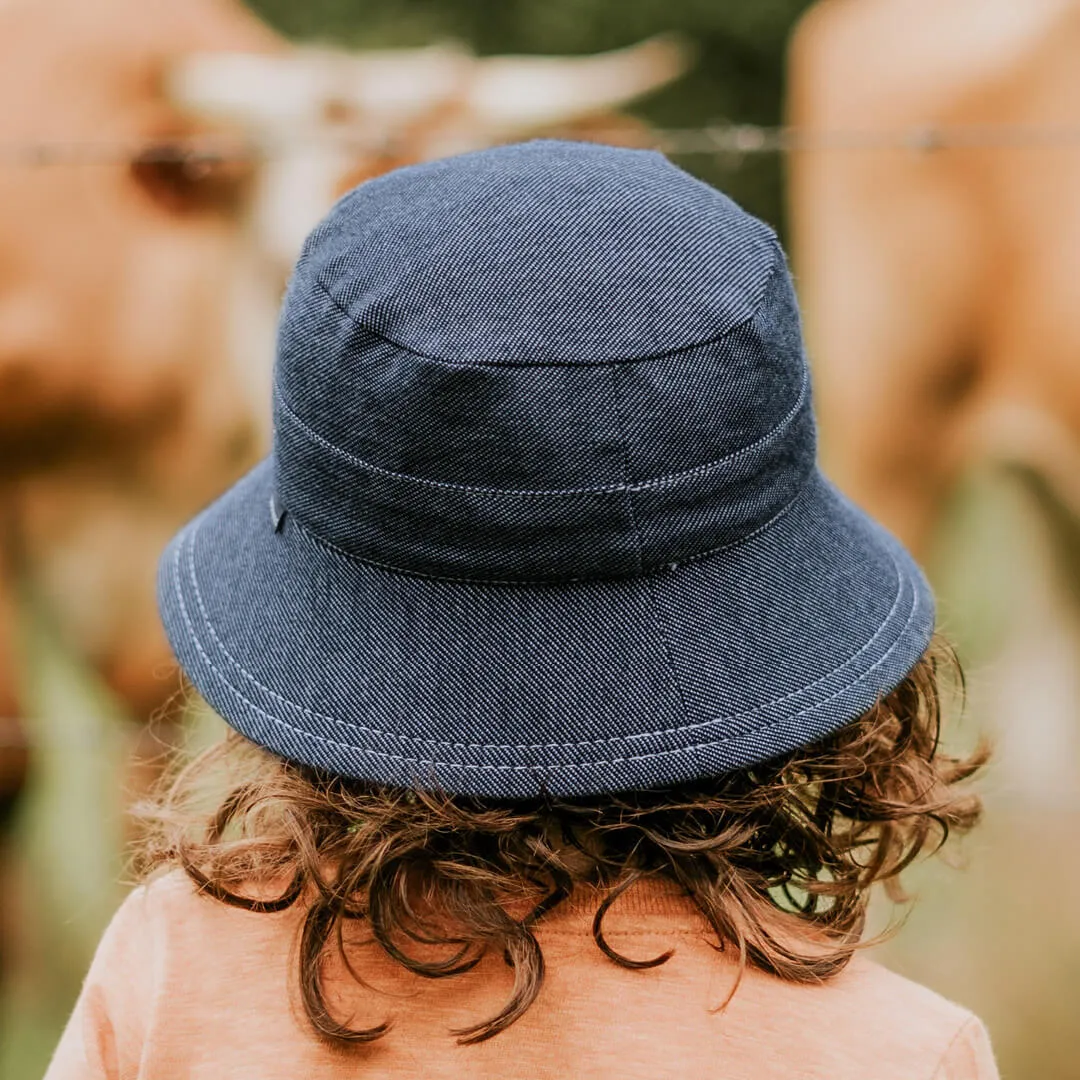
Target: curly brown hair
(804, 836)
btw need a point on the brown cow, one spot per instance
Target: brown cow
(936, 227)
(138, 297)
(111, 321)
(940, 282)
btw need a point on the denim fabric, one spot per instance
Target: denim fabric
(542, 512)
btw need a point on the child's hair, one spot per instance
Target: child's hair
(779, 858)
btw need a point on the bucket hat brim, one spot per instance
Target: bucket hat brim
(512, 690)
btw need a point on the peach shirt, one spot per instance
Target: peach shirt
(185, 987)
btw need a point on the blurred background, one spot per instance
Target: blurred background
(160, 164)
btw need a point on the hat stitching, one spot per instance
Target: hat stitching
(561, 767)
(554, 583)
(755, 307)
(625, 487)
(901, 580)
(665, 646)
(534, 493)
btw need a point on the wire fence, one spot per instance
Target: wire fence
(732, 140)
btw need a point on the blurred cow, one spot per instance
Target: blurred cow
(936, 221)
(184, 152)
(325, 120)
(119, 410)
(940, 280)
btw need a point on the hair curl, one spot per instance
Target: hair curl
(807, 835)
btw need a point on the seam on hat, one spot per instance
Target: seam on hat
(654, 613)
(364, 560)
(554, 493)
(625, 487)
(755, 307)
(560, 767)
(678, 730)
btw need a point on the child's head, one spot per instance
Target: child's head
(541, 587)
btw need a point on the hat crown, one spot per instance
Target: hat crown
(541, 253)
(539, 362)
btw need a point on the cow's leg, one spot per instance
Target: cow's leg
(1062, 523)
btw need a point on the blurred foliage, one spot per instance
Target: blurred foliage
(738, 74)
(69, 833)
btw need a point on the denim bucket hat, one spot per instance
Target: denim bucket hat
(542, 513)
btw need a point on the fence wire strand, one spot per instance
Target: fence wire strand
(733, 140)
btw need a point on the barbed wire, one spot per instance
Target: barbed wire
(736, 140)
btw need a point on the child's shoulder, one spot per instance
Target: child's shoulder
(172, 891)
(172, 915)
(874, 985)
(163, 895)
(894, 1018)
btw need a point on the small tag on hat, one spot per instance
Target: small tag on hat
(277, 514)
